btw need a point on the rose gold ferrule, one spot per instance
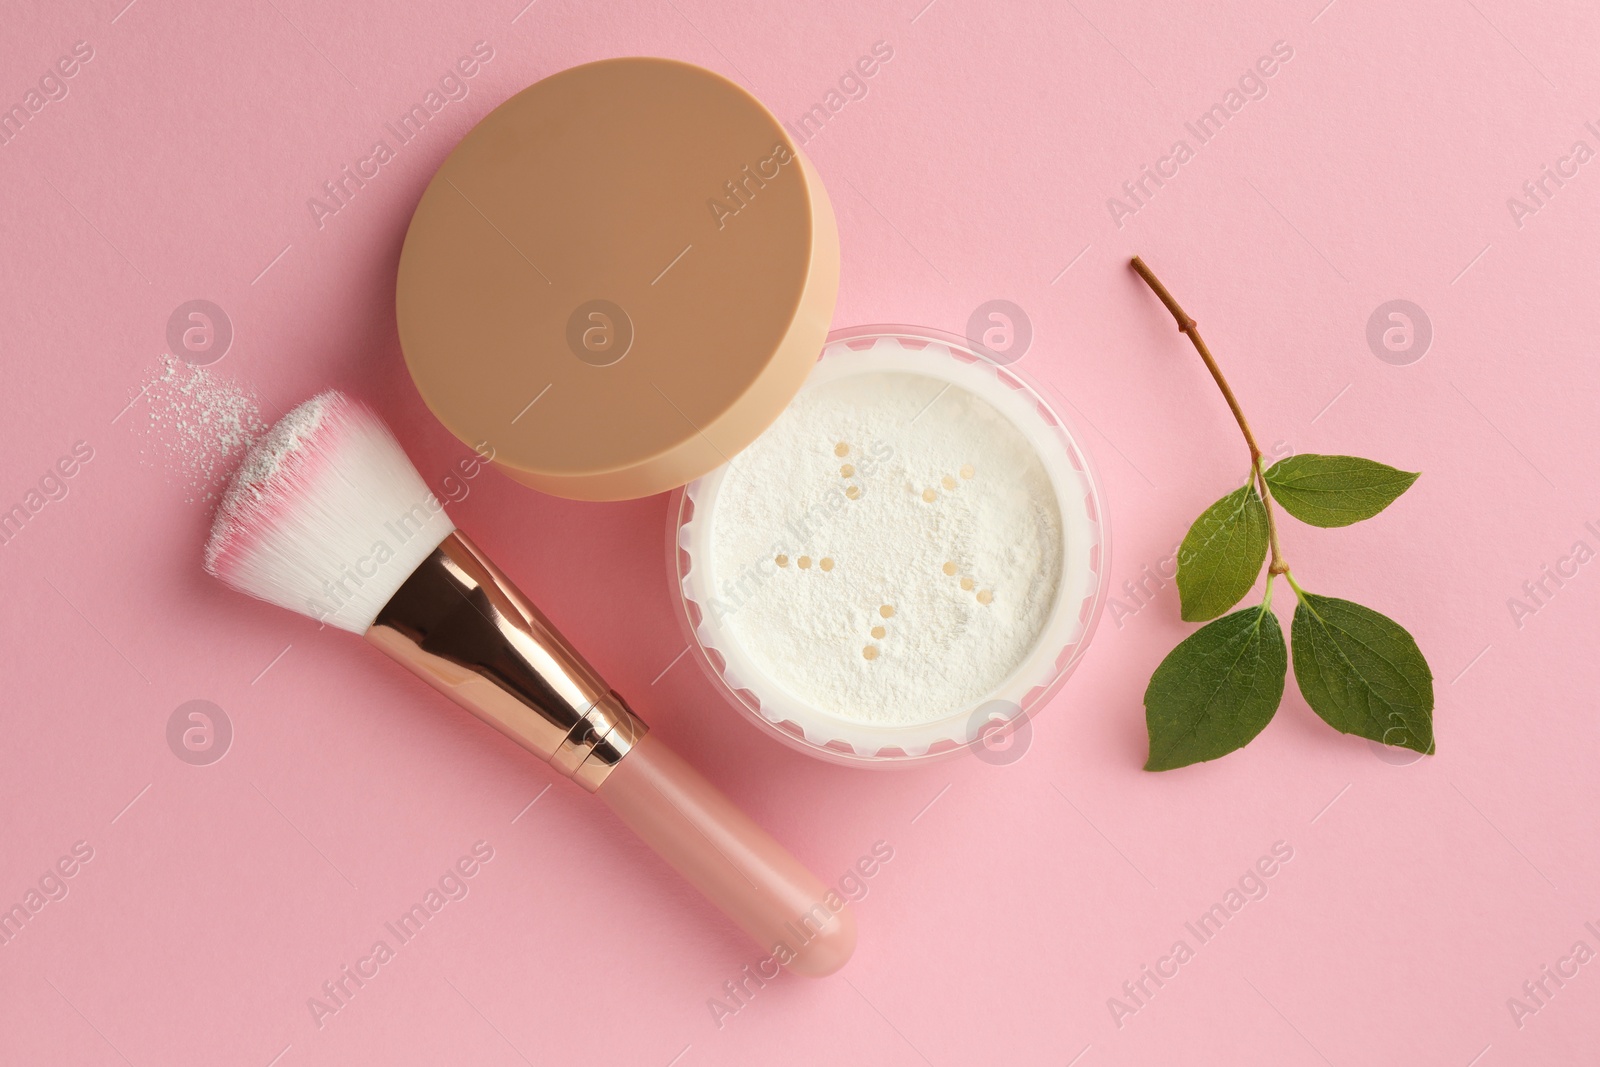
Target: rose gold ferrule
(460, 625)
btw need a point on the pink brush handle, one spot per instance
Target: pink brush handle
(735, 863)
(462, 627)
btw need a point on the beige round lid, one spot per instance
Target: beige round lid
(618, 279)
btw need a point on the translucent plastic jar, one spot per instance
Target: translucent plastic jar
(1061, 489)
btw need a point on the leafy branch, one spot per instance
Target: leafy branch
(1357, 669)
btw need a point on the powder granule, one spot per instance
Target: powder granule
(943, 531)
(201, 422)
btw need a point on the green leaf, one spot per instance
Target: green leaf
(1216, 690)
(1362, 672)
(1335, 490)
(1221, 555)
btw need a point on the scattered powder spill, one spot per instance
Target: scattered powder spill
(200, 422)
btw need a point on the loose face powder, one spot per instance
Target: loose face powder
(909, 552)
(889, 550)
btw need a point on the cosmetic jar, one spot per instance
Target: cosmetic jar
(619, 284)
(724, 596)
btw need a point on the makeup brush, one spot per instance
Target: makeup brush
(326, 516)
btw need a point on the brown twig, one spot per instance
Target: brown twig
(1187, 325)
(1277, 566)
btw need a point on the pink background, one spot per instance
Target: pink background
(1419, 898)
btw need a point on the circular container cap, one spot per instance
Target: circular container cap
(618, 279)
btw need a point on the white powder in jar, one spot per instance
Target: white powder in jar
(888, 551)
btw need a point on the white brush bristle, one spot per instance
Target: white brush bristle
(326, 516)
